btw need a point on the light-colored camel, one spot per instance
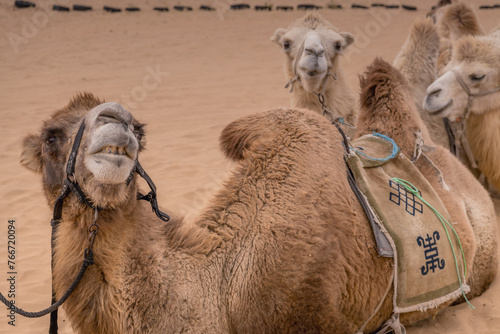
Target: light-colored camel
(426, 52)
(313, 49)
(284, 246)
(417, 62)
(470, 91)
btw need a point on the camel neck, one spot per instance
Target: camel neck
(337, 95)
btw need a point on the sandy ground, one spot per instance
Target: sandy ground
(184, 74)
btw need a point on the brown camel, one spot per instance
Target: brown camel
(284, 246)
(313, 48)
(384, 96)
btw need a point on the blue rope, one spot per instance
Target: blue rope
(395, 148)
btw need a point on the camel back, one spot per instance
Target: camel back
(425, 268)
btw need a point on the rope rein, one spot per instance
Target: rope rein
(88, 260)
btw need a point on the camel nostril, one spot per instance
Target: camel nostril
(435, 92)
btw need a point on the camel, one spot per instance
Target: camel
(468, 93)
(313, 48)
(283, 247)
(385, 109)
(417, 62)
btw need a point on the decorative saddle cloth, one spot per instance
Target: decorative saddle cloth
(427, 271)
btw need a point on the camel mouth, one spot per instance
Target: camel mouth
(436, 111)
(115, 150)
(111, 165)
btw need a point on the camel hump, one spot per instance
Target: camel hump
(379, 82)
(462, 17)
(242, 136)
(423, 29)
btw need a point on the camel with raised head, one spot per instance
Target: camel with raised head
(313, 49)
(283, 247)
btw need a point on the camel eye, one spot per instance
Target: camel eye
(286, 45)
(476, 77)
(51, 140)
(338, 46)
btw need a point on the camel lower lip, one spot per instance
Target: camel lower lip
(116, 159)
(440, 110)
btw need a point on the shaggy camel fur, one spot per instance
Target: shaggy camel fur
(475, 62)
(387, 108)
(313, 48)
(284, 246)
(453, 22)
(417, 62)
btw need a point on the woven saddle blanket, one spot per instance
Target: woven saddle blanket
(427, 268)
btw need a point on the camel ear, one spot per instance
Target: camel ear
(278, 35)
(348, 39)
(242, 137)
(31, 155)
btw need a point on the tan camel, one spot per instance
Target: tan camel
(313, 48)
(469, 92)
(384, 109)
(417, 62)
(284, 246)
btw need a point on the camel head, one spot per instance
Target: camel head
(311, 45)
(105, 158)
(471, 80)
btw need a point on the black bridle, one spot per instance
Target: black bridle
(71, 185)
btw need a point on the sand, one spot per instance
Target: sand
(185, 74)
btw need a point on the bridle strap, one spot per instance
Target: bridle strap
(467, 90)
(295, 65)
(151, 196)
(70, 166)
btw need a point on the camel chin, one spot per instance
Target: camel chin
(109, 168)
(438, 109)
(312, 73)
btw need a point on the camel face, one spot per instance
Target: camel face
(472, 76)
(106, 155)
(111, 144)
(311, 45)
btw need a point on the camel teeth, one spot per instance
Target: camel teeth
(113, 150)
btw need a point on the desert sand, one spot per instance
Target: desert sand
(185, 74)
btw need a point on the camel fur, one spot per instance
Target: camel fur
(323, 47)
(417, 62)
(453, 22)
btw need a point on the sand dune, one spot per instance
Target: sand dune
(185, 74)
